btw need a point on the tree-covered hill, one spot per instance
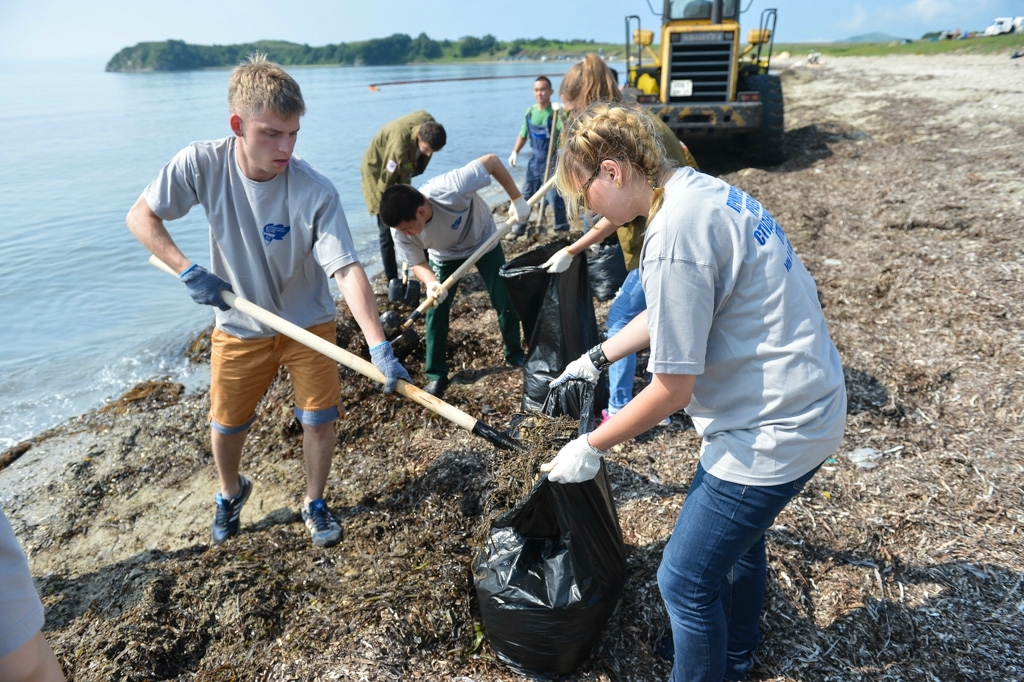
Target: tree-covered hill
(177, 55)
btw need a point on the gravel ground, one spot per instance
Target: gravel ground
(903, 194)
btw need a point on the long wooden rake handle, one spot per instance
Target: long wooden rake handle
(357, 364)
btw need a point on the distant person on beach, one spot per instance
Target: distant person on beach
(447, 218)
(399, 152)
(737, 338)
(25, 655)
(587, 82)
(276, 228)
(541, 126)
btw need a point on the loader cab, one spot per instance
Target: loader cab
(702, 82)
(677, 10)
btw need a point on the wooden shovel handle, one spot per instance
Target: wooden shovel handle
(335, 352)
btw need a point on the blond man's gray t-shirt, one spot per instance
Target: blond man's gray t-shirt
(276, 242)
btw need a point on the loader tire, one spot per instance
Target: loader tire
(766, 147)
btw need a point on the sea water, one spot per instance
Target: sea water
(83, 316)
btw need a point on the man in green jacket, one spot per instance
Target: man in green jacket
(399, 152)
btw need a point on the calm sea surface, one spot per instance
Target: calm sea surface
(82, 315)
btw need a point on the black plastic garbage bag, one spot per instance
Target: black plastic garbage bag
(558, 318)
(607, 269)
(552, 570)
(550, 575)
(573, 398)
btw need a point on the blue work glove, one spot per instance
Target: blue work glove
(384, 359)
(576, 462)
(204, 287)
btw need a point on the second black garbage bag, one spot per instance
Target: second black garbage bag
(558, 317)
(606, 268)
(552, 569)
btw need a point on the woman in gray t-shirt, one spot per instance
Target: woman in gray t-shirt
(737, 339)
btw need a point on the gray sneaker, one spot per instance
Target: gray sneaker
(225, 523)
(321, 524)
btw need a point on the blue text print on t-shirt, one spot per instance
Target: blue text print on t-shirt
(272, 232)
(766, 226)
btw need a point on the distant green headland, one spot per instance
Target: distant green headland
(177, 55)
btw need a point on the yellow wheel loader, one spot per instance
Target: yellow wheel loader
(703, 82)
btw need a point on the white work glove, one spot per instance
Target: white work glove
(519, 210)
(580, 368)
(557, 106)
(559, 262)
(576, 462)
(512, 158)
(435, 292)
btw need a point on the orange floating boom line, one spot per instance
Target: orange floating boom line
(374, 87)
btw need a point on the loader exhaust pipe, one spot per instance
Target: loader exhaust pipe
(716, 11)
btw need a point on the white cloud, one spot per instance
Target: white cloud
(860, 18)
(912, 17)
(929, 11)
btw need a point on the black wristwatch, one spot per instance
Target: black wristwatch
(597, 357)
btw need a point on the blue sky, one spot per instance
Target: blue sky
(33, 29)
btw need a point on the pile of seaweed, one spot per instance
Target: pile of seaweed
(901, 559)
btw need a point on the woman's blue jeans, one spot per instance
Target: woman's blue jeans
(713, 575)
(629, 302)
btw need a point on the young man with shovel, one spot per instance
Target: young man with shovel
(276, 228)
(447, 218)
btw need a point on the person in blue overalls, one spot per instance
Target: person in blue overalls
(537, 124)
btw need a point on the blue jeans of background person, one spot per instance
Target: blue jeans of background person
(714, 571)
(629, 302)
(530, 187)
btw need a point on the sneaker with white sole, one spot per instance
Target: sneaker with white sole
(321, 524)
(225, 523)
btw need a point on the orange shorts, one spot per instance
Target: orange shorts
(243, 369)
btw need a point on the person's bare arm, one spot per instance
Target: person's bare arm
(635, 336)
(595, 235)
(355, 287)
(149, 229)
(34, 660)
(665, 395)
(498, 171)
(423, 273)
